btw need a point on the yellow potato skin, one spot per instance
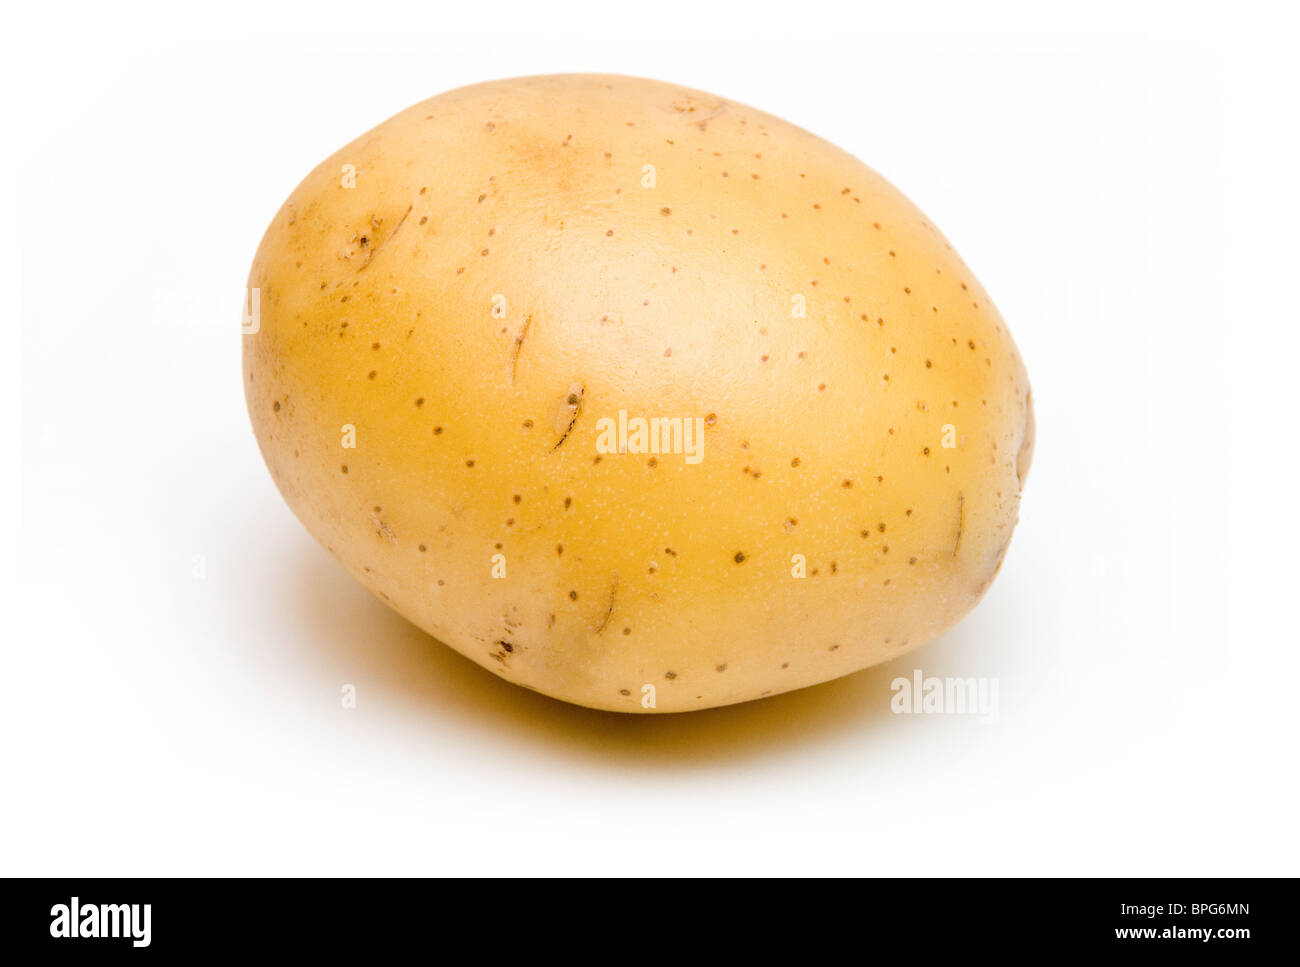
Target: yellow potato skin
(646, 247)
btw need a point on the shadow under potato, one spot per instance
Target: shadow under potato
(391, 660)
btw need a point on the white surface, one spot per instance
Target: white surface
(1121, 181)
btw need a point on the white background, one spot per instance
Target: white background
(1122, 180)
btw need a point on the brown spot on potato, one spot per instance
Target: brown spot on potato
(571, 408)
(961, 522)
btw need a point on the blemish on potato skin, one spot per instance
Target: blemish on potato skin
(574, 402)
(961, 522)
(609, 608)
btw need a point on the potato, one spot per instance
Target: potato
(636, 396)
